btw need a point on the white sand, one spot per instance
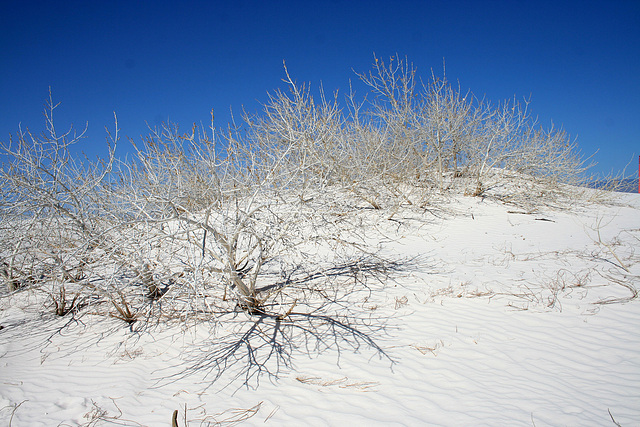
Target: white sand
(488, 317)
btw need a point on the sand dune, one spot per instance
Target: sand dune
(480, 315)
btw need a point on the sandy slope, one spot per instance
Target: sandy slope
(485, 315)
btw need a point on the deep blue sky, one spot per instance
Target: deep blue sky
(156, 60)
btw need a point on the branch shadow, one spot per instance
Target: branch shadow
(308, 312)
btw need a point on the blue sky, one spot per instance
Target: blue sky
(150, 61)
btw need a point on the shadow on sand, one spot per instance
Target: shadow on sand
(307, 313)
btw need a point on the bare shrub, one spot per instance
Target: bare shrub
(190, 211)
(63, 227)
(63, 304)
(51, 209)
(298, 140)
(448, 137)
(267, 219)
(210, 217)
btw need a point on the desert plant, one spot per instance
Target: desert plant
(63, 224)
(50, 205)
(63, 305)
(194, 217)
(123, 309)
(438, 132)
(298, 138)
(394, 153)
(217, 210)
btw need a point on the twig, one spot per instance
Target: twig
(612, 419)
(14, 411)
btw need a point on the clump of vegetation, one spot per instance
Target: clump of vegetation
(202, 224)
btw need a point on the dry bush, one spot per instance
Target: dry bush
(194, 222)
(454, 141)
(64, 232)
(210, 218)
(52, 208)
(192, 215)
(296, 139)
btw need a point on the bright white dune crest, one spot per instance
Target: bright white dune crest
(475, 313)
